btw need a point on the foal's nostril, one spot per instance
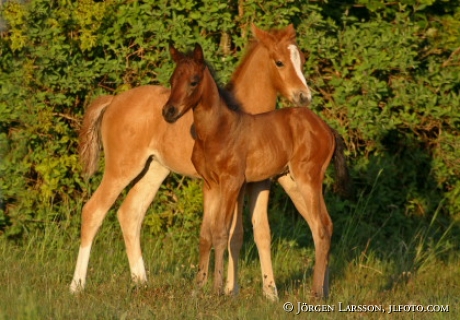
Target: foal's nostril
(169, 113)
(304, 98)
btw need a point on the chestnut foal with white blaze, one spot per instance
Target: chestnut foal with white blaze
(139, 145)
(233, 147)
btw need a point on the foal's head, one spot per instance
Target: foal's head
(186, 83)
(285, 63)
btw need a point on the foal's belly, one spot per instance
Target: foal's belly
(264, 167)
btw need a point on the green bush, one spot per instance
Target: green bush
(385, 74)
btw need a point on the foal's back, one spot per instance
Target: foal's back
(273, 139)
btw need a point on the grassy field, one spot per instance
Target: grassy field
(35, 275)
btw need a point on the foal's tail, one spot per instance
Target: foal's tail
(342, 184)
(90, 135)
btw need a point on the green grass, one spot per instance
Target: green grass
(373, 263)
(35, 275)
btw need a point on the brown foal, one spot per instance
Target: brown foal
(233, 147)
(138, 145)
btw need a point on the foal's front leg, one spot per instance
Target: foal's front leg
(234, 247)
(259, 193)
(229, 191)
(211, 205)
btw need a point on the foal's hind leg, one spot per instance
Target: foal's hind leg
(132, 212)
(93, 214)
(308, 199)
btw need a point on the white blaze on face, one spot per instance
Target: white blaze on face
(295, 59)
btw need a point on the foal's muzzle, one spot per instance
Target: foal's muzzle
(170, 113)
(302, 98)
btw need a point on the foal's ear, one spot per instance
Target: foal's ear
(198, 53)
(175, 54)
(290, 32)
(264, 37)
(258, 33)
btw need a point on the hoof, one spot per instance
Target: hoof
(76, 287)
(232, 291)
(271, 293)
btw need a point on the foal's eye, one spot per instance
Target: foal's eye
(279, 63)
(194, 83)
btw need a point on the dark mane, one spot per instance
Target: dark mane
(230, 99)
(226, 94)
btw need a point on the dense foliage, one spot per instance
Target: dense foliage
(385, 74)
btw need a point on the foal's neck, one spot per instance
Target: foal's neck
(252, 83)
(212, 115)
